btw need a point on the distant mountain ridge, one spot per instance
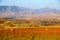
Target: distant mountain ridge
(47, 10)
(15, 12)
(23, 9)
(13, 9)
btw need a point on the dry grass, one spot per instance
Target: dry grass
(28, 24)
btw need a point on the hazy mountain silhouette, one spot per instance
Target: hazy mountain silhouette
(23, 9)
(12, 12)
(13, 9)
(47, 10)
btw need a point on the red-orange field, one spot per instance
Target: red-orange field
(30, 34)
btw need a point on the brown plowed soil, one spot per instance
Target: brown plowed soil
(26, 30)
(50, 32)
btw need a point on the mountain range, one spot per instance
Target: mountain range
(15, 12)
(13, 9)
(24, 9)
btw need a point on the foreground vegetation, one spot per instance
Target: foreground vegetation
(28, 37)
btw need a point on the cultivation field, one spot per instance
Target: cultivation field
(29, 29)
(30, 34)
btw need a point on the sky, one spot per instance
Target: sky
(33, 4)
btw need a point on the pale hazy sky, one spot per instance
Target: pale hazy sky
(35, 4)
